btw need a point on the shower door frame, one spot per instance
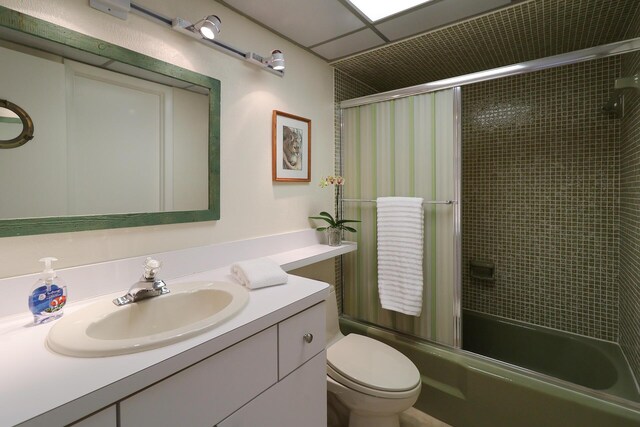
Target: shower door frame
(456, 83)
(582, 55)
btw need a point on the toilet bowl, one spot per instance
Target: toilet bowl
(374, 381)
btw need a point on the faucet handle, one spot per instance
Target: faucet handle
(151, 267)
(160, 286)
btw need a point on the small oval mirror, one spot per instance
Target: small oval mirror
(16, 127)
(10, 124)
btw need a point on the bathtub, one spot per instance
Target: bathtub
(598, 365)
(465, 389)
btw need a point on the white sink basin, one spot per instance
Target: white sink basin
(103, 329)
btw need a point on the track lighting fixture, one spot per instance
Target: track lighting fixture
(205, 30)
(208, 27)
(275, 62)
(118, 8)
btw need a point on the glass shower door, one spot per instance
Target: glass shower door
(405, 147)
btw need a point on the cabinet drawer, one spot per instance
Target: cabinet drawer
(209, 391)
(298, 400)
(293, 348)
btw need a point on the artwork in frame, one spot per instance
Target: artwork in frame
(291, 153)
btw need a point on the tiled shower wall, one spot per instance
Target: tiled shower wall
(630, 214)
(540, 197)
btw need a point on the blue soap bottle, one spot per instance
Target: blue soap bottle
(48, 296)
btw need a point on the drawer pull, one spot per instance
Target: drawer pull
(308, 337)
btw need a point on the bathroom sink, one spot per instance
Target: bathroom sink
(104, 329)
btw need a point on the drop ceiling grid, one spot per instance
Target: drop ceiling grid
(523, 32)
(435, 14)
(355, 42)
(308, 22)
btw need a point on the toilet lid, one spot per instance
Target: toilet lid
(371, 364)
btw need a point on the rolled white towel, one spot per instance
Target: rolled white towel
(259, 273)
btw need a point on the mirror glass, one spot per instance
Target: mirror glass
(10, 124)
(118, 135)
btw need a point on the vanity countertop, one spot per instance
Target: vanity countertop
(40, 387)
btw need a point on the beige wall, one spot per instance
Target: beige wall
(323, 271)
(252, 205)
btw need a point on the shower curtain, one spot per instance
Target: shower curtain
(403, 147)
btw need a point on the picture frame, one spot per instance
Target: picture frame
(291, 147)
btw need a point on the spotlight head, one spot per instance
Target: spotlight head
(210, 27)
(277, 60)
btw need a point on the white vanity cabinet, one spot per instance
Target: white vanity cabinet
(208, 391)
(276, 377)
(301, 337)
(298, 400)
(300, 397)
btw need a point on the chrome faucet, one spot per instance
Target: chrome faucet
(147, 287)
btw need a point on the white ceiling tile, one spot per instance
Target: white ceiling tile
(308, 22)
(356, 42)
(435, 15)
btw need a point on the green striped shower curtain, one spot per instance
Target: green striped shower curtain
(403, 147)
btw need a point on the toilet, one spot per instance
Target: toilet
(374, 381)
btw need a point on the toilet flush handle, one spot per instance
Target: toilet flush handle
(308, 337)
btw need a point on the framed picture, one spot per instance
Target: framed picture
(291, 154)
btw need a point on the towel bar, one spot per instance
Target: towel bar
(426, 202)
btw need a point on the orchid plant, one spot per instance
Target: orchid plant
(334, 223)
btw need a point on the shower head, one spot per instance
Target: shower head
(615, 105)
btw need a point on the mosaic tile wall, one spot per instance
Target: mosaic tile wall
(540, 197)
(525, 31)
(344, 87)
(630, 215)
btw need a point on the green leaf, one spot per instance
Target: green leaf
(330, 221)
(327, 214)
(344, 221)
(351, 229)
(321, 228)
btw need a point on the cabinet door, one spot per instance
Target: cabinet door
(298, 400)
(209, 391)
(105, 418)
(300, 338)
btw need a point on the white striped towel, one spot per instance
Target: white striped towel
(400, 253)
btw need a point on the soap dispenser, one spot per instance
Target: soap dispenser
(48, 296)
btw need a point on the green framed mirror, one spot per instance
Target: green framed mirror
(121, 139)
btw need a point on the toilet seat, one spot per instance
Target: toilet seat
(372, 367)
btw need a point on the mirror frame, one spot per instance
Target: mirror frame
(26, 134)
(29, 226)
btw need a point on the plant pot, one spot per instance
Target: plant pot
(334, 236)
